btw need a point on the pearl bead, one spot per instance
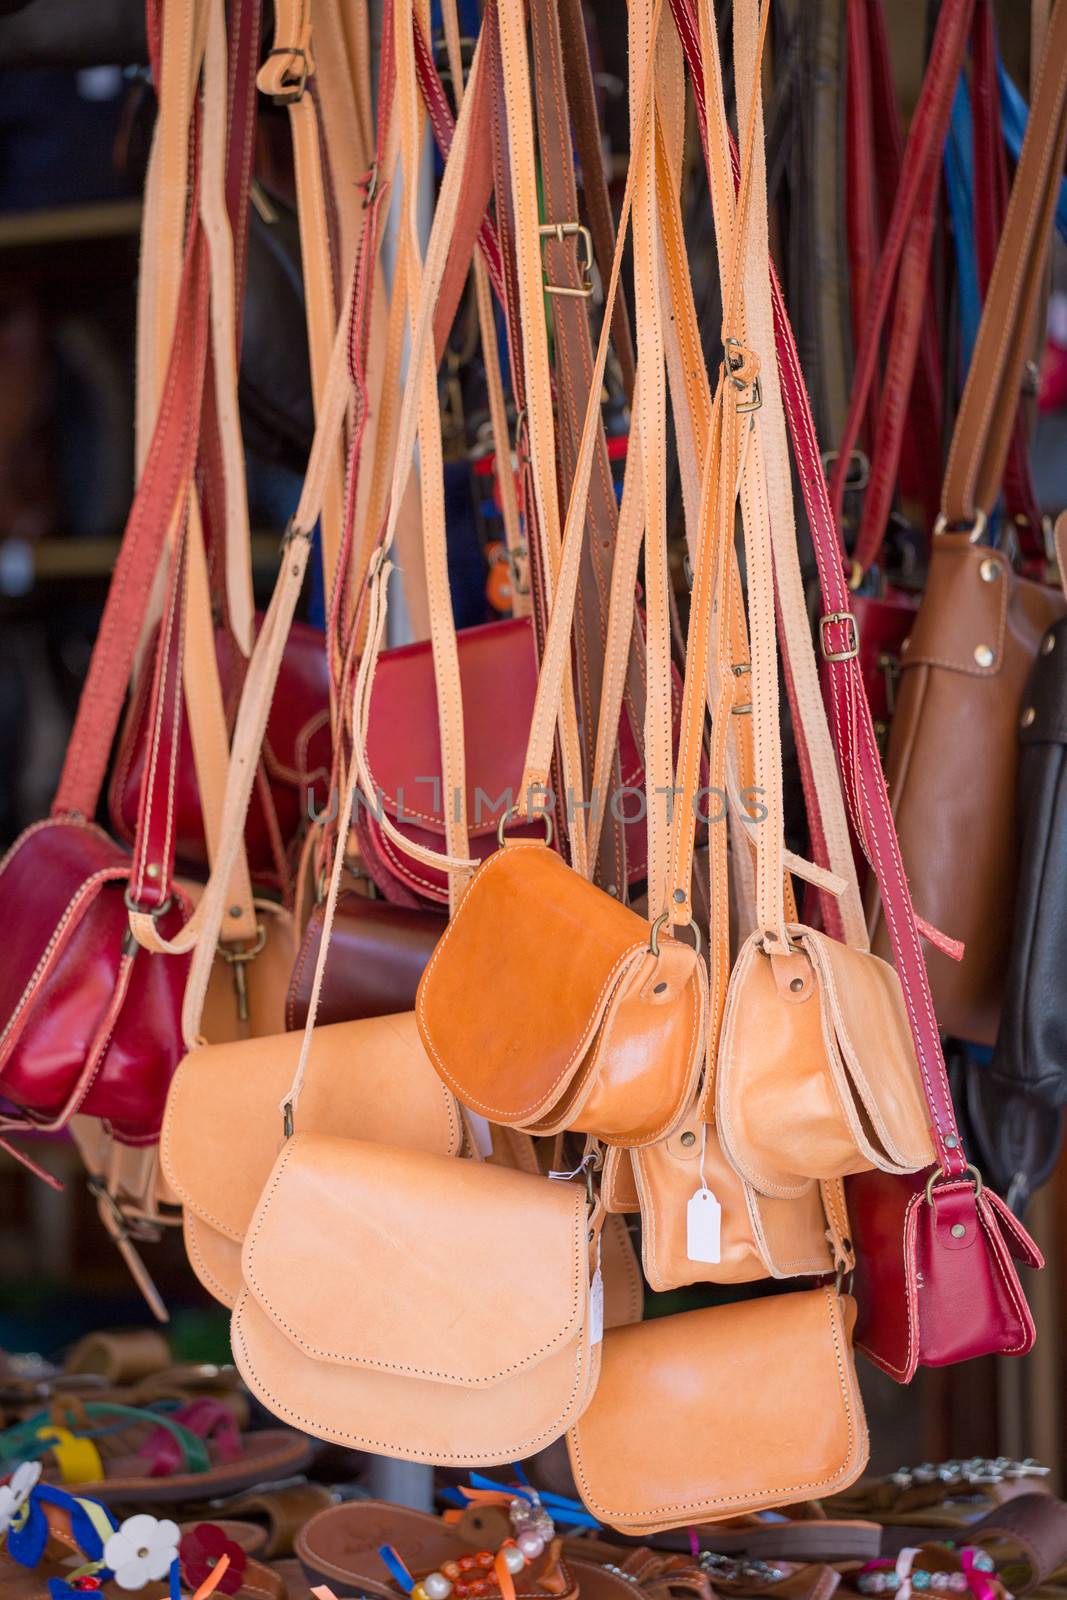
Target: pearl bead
(531, 1544)
(514, 1559)
(484, 1559)
(437, 1586)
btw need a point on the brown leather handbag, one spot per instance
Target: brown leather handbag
(717, 1412)
(592, 1024)
(953, 753)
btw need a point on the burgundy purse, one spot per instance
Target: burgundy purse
(377, 955)
(293, 776)
(498, 674)
(936, 1278)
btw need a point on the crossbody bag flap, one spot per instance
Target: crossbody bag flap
(561, 961)
(817, 1073)
(729, 1409)
(223, 1128)
(414, 1305)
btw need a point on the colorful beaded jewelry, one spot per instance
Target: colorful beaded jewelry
(481, 1575)
(900, 1578)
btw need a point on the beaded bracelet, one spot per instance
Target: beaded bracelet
(887, 1577)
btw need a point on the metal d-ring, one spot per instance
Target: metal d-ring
(939, 1172)
(660, 922)
(513, 811)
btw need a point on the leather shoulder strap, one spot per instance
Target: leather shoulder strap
(987, 411)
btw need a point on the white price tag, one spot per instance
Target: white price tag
(596, 1307)
(703, 1227)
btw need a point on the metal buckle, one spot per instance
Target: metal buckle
(291, 92)
(561, 231)
(858, 475)
(828, 620)
(735, 360)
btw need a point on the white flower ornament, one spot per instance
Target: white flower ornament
(14, 1495)
(142, 1551)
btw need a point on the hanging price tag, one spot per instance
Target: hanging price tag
(703, 1227)
(596, 1307)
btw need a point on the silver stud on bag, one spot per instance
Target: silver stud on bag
(1028, 717)
(989, 570)
(1048, 644)
(983, 655)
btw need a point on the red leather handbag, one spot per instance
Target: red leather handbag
(498, 674)
(935, 1264)
(295, 769)
(93, 1023)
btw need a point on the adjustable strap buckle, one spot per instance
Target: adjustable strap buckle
(293, 84)
(846, 620)
(739, 361)
(561, 231)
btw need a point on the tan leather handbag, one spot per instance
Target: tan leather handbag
(817, 1075)
(751, 1236)
(717, 1412)
(417, 1306)
(368, 1080)
(591, 1024)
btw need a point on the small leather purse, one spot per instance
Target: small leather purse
(817, 1076)
(367, 1079)
(379, 952)
(594, 1025)
(756, 1236)
(730, 1409)
(417, 1306)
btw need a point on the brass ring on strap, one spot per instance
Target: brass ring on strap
(661, 922)
(234, 956)
(939, 1172)
(513, 811)
(155, 912)
(974, 532)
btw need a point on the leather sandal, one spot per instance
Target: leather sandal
(125, 1455)
(340, 1547)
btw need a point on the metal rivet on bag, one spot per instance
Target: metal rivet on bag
(679, 897)
(951, 1142)
(1048, 644)
(612, 889)
(1028, 716)
(235, 911)
(983, 655)
(990, 570)
(796, 984)
(659, 989)
(958, 1230)
(689, 1139)
(153, 869)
